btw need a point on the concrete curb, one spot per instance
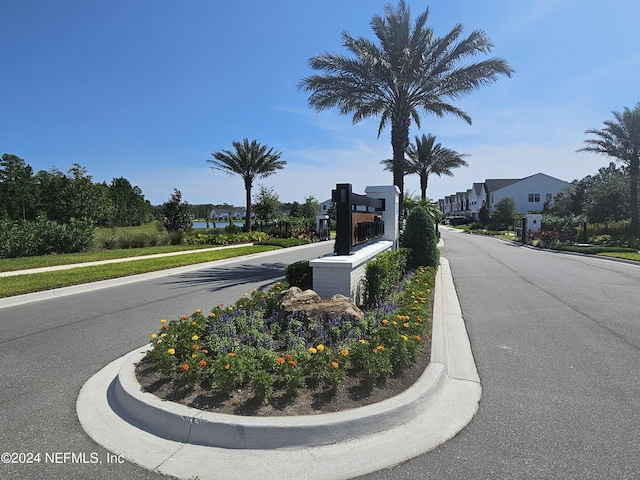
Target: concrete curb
(184, 442)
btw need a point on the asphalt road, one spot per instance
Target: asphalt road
(49, 349)
(556, 339)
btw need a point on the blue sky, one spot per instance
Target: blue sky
(148, 89)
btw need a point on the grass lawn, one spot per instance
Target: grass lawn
(624, 255)
(35, 282)
(25, 263)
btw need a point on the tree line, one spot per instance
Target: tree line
(61, 197)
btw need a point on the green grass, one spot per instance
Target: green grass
(25, 263)
(624, 255)
(35, 282)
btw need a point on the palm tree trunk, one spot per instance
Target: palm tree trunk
(247, 218)
(399, 143)
(634, 174)
(424, 179)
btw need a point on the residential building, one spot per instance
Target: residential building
(529, 194)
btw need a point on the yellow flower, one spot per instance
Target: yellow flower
(194, 338)
(159, 341)
(313, 350)
(320, 347)
(163, 335)
(405, 338)
(153, 335)
(230, 308)
(198, 310)
(385, 321)
(406, 325)
(227, 366)
(212, 315)
(362, 341)
(380, 347)
(193, 355)
(163, 321)
(171, 351)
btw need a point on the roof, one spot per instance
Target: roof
(495, 184)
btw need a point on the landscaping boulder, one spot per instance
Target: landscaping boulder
(311, 307)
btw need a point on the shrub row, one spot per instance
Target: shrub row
(43, 236)
(115, 240)
(222, 238)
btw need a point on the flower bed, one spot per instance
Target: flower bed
(249, 345)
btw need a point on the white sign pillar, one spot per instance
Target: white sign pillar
(391, 196)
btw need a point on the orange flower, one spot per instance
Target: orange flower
(165, 327)
(185, 367)
(196, 347)
(418, 338)
(380, 347)
(231, 354)
(288, 357)
(193, 355)
(280, 360)
(203, 363)
(194, 323)
(227, 366)
(335, 364)
(292, 363)
(184, 317)
(344, 352)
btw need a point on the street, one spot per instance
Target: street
(556, 339)
(49, 349)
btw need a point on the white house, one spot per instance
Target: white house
(529, 193)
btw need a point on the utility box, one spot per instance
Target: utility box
(534, 223)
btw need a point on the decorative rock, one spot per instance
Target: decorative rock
(309, 304)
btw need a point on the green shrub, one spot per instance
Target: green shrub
(299, 274)
(383, 274)
(43, 236)
(420, 237)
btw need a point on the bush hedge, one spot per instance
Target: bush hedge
(43, 236)
(299, 274)
(420, 237)
(383, 274)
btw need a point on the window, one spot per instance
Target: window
(549, 197)
(534, 197)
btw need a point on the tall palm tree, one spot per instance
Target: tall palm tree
(620, 139)
(249, 161)
(410, 72)
(427, 157)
